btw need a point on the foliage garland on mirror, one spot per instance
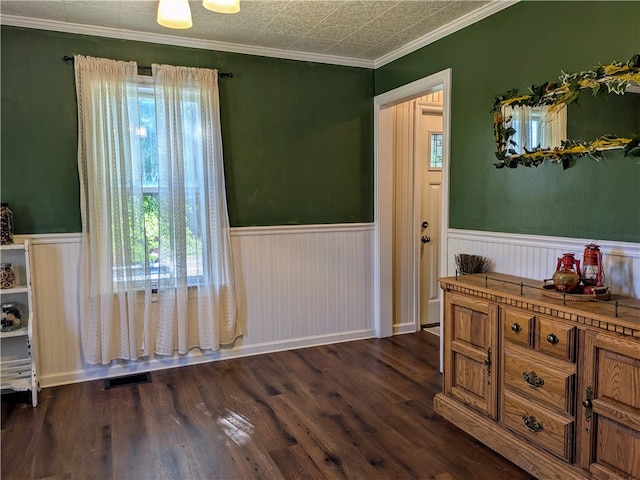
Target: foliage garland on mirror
(605, 79)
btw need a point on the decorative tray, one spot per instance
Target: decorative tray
(601, 293)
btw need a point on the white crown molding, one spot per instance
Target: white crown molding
(465, 21)
(76, 28)
(459, 24)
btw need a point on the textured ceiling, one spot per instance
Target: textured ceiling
(357, 29)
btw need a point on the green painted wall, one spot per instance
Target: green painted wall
(530, 43)
(298, 136)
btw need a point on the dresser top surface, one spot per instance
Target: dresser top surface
(618, 313)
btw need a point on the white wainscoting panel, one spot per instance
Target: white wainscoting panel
(535, 257)
(298, 286)
(304, 282)
(54, 275)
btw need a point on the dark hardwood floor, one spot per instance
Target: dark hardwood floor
(357, 410)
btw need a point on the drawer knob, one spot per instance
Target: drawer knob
(516, 327)
(532, 379)
(532, 424)
(552, 339)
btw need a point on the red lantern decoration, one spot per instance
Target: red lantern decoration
(567, 276)
(592, 271)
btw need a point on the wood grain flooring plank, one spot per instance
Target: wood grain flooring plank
(167, 429)
(20, 436)
(219, 435)
(469, 458)
(295, 463)
(369, 448)
(327, 438)
(230, 394)
(67, 447)
(318, 442)
(50, 443)
(92, 456)
(353, 410)
(132, 454)
(183, 429)
(271, 376)
(378, 377)
(374, 423)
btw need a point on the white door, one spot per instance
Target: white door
(428, 202)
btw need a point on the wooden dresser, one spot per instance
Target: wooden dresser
(552, 385)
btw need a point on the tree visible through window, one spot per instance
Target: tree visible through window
(146, 131)
(153, 228)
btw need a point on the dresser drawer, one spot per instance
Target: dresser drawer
(539, 425)
(555, 338)
(518, 326)
(533, 375)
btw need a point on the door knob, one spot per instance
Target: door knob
(425, 224)
(425, 239)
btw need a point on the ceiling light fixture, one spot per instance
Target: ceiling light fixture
(222, 6)
(174, 14)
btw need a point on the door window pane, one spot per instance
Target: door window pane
(435, 147)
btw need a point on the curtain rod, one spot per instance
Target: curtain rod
(67, 58)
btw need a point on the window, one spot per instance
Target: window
(435, 149)
(146, 132)
(160, 267)
(154, 212)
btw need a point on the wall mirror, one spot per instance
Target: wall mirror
(547, 125)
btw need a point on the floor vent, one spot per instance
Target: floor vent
(127, 380)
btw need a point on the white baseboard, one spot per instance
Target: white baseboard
(400, 328)
(99, 372)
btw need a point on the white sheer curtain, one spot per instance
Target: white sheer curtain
(536, 127)
(196, 298)
(112, 311)
(193, 275)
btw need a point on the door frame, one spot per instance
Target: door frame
(383, 189)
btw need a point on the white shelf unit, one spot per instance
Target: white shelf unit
(18, 348)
